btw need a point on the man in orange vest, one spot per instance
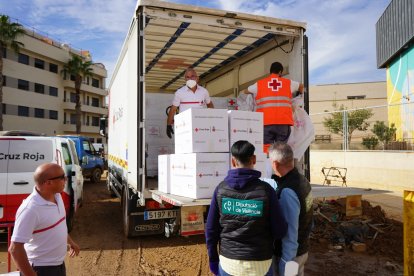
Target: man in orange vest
(273, 95)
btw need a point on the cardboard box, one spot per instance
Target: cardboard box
(201, 130)
(262, 164)
(246, 125)
(196, 175)
(164, 177)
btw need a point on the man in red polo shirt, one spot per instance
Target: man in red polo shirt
(273, 95)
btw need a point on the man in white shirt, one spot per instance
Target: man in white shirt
(189, 96)
(40, 237)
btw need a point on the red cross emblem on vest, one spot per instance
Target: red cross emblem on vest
(274, 84)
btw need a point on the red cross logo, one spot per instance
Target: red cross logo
(200, 175)
(196, 129)
(274, 84)
(231, 102)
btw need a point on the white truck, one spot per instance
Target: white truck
(229, 51)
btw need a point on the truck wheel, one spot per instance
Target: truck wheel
(126, 218)
(96, 175)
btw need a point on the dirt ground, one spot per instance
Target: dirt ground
(104, 250)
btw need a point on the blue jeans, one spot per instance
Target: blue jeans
(222, 272)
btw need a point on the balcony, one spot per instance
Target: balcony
(94, 109)
(72, 128)
(85, 87)
(67, 104)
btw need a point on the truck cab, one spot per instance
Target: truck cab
(90, 160)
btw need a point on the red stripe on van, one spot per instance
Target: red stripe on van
(14, 201)
(10, 208)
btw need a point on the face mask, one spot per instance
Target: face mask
(191, 83)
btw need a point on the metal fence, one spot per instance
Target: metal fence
(386, 127)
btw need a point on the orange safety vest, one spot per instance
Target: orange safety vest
(274, 100)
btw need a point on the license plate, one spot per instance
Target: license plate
(161, 214)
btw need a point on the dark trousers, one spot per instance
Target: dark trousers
(53, 270)
(274, 133)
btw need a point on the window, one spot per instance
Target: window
(87, 80)
(73, 119)
(359, 97)
(23, 111)
(87, 120)
(73, 97)
(39, 63)
(87, 146)
(53, 68)
(4, 81)
(23, 59)
(95, 102)
(66, 154)
(95, 83)
(99, 140)
(4, 52)
(53, 114)
(39, 112)
(4, 108)
(95, 121)
(39, 88)
(23, 84)
(87, 100)
(72, 77)
(53, 91)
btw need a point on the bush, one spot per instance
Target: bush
(370, 142)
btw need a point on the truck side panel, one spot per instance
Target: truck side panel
(122, 117)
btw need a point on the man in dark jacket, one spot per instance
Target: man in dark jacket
(294, 194)
(244, 218)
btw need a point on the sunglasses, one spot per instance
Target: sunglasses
(60, 177)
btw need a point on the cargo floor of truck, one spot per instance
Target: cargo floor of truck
(318, 191)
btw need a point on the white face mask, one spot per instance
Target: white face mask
(191, 83)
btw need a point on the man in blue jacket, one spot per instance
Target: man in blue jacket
(244, 218)
(295, 197)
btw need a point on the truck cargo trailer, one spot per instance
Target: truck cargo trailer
(228, 50)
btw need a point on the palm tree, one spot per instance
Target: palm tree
(79, 69)
(9, 32)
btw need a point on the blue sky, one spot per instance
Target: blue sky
(341, 32)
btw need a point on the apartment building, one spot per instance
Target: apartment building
(37, 97)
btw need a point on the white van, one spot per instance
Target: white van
(20, 156)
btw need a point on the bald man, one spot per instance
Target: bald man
(40, 238)
(191, 95)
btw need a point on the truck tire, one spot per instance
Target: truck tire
(96, 175)
(126, 217)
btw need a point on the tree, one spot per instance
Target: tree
(77, 68)
(383, 132)
(356, 121)
(9, 32)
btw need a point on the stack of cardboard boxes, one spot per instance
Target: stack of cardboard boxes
(203, 138)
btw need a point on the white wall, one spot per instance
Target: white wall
(392, 171)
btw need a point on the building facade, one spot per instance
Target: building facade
(38, 97)
(328, 98)
(395, 52)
